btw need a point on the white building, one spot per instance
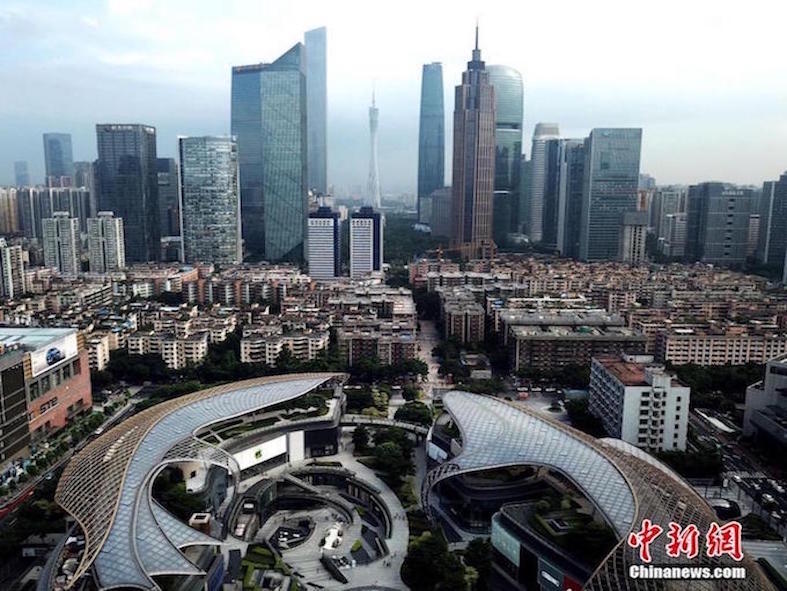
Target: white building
(765, 416)
(98, 351)
(639, 402)
(61, 242)
(304, 346)
(12, 270)
(632, 236)
(366, 243)
(105, 241)
(324, 244)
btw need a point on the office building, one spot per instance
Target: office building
(431, 133)
(324, 242)
(85, 178)
(374, 196)
(127, 179)
(21, 174)
(765, 416)
(210, 197)
(316, 109)
(639, 402)
(773, 222)
(717, 223)
(269, 123)
(14, 429)
(366, 242)
(105, 242)
(441, 221)
(553, 200)
(507, 83)
(610, 190)
(9, 211)
(168, 196)
(58, 159)
(12, 270)
(666, 201)
(474, 160)
(673, 242)
(61, 243)
(542, 133)
(753, 236)
(632, 236)
(568, 217)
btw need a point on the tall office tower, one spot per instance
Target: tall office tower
(754, 234)
(210, 196)
(572, 175)
(717, 223)
(373, 188)
(542, 133)
(168, 196)
(366, 242)
(431, 133)
(269, 122)
(84, 177)
(507, 83)
(61, 243)
(58, 159)
(552, 200)
(773, 222)
(666, 201)
(21, 174)
(9, 211)
(673, 242)
(106, 246)
(632, 237)
(646, 182)
(525, 173)
(474, 160)
(12, 270)
(325, 248)
(442, 216)
(609, 190)
(316, 109)
(127, 181)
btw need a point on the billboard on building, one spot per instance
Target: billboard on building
(54, 353)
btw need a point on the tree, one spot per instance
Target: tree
(410, 393)
(414, 412)
(361, 438)
(390, 458)
(429, 565)
(478, 555)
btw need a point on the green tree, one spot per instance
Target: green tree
(429, 565)
(361, 438)
(414, 412)
(478, 555)
(390, 458)
(411, 393)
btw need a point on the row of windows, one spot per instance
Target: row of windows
(54, 379)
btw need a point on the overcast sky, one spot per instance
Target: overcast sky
(706, 80)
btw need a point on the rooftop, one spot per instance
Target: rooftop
(31, 339)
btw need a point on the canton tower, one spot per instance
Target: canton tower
(374, 171)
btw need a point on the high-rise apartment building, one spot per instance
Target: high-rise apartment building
(168, 196)
(673, 242)
(127, 180)
(58, 159)
(37, 203)
(610, 190)
(269, 122)
(507, 83)
(21, 174)
(632, 237)
(542, 133)
(366, 242)
(9, 211)
(61, 243)
(717, 223)
(373, 186)
(210, 197)
(474, 160)
(316, 109)
(666, 201)
(324, 242)
(773, 222)
(105, 243)
(12, 270)
(85, 178)
(431, 133)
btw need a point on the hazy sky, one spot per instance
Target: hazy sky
(706, 80)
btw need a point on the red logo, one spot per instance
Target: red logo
(724, 539)
(644, 538)
(683, 540)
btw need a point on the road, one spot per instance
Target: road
(428, 339)
(773, 552)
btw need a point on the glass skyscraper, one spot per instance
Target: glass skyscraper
(542, 133)
(431, 133)
(58, 158)
(127, 179)
(508, 148)
(21, 174)
(316, 109)
(609, 190)
(168, 198)
(269, 122)
(210, 195)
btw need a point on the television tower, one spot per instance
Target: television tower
(374, 171)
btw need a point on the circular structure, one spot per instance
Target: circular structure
(129, 538)
(625, 484)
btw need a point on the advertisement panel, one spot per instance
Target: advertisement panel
(261, 452)
(54, 353)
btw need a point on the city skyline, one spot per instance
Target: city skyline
(679, 108)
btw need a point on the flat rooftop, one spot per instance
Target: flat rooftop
(31, 339)
(627, 373)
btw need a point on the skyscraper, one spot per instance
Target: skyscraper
(127, 182)
(542, 133)
(168, 197)
(58, 158)
(210, 195)
(553, 200)
(474, 159)
(609, 190)
(316, 109)
(84, 177)
(507, 83)
(61, 243)
(717, 223)
(21, 174)
(105, 243)
(269, 123)
(773, 222)
(366, 242)
(9, 211)
(431, 133)
(12, 270)
(373, 188)
(324, 241)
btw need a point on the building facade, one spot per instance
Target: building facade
(12, 270)
(58, 159)
(315, 42)
(21, 173)
(14, 429)
(766, 406)
(168, 196)
(632, 236)
(106, 243)
(366, 242)
(325, 261)
(61, 243)
(127, 179)
(210, 198)
(539, 164)
(773, 222)
(431, 133)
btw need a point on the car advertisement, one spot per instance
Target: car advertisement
(53, 354)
